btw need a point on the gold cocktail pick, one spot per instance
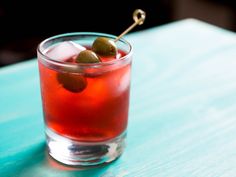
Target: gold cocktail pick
(107, 48)
(139, 17)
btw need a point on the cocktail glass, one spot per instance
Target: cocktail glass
(85, 105)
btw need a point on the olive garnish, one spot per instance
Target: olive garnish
(87, 56)
(104, 47)
(72, 82)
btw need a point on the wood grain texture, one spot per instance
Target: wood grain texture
(182, 115)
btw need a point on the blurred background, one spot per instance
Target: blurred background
(25, 23)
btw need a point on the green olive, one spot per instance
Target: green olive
(87, 56)
(104, 47)
(72, 82)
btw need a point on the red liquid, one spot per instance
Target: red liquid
(99, 112)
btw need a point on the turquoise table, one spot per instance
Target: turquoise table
(182, 115)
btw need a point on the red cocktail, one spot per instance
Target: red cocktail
(96, 112)
(85, 105)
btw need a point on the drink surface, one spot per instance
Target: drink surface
(96, 111)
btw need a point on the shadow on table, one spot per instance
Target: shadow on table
(37, 163)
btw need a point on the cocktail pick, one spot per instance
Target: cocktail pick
(105, 47)
(139, 17)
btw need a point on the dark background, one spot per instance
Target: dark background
(23, 24)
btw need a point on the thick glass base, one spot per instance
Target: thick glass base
(75, 153)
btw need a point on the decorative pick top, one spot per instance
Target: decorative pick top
(105, 47)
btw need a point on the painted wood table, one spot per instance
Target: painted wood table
(182, 119)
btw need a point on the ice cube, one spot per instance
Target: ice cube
(118, 56)
(119, 82)
(64, 50)
(124, 81)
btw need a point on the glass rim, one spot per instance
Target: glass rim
(49, 59)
